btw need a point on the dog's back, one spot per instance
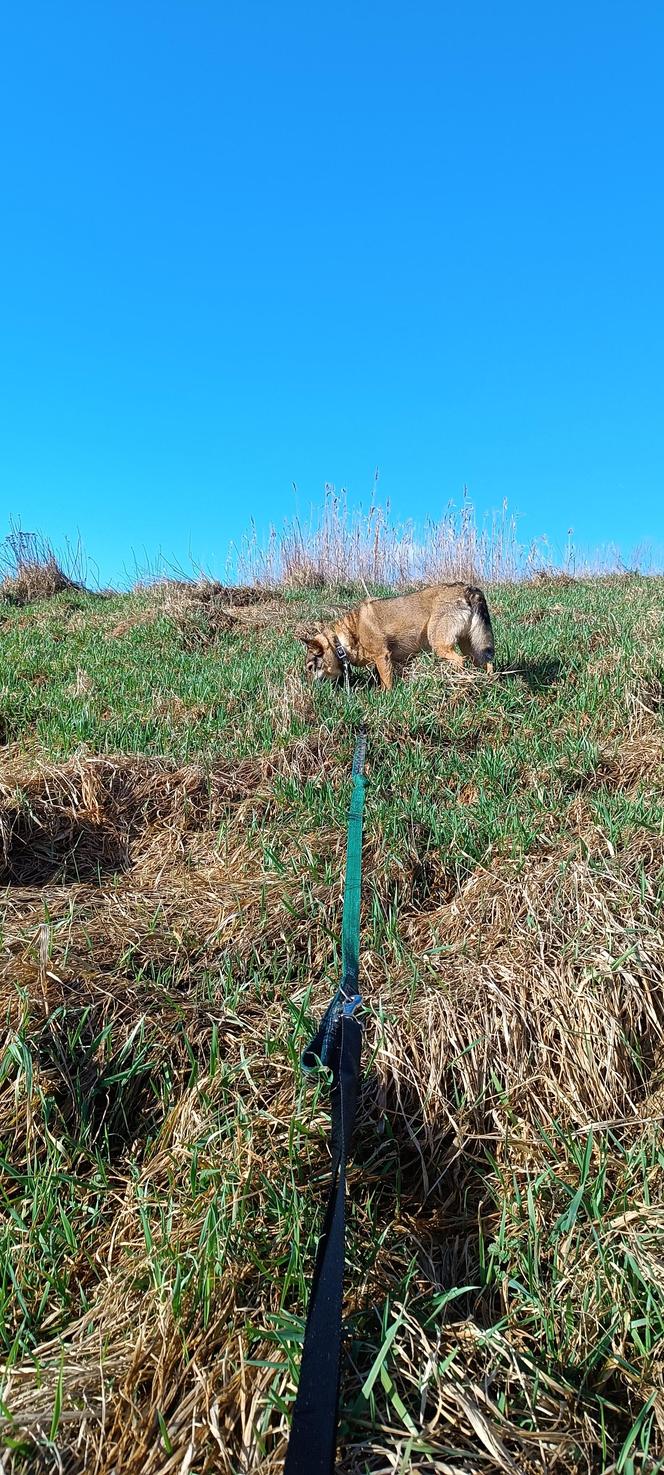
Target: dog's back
(407, 622)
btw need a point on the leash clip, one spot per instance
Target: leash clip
(342, 656)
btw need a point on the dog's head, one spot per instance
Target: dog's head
(321, 658)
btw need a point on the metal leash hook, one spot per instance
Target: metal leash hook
(342, 656)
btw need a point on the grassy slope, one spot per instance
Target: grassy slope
(173, 803)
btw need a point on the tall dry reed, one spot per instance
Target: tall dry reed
(343, 545)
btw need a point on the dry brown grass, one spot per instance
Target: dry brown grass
(341, 547)
(466, 1061)
(202, 610)
(31, 571)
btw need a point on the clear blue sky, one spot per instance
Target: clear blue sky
(245, 245)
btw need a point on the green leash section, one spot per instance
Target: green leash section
(337, 1044)
(350, 930)
(347, 997)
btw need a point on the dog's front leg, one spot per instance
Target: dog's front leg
(384, 669)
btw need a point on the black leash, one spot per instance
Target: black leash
(338, 1045)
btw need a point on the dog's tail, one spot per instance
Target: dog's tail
(481, 632)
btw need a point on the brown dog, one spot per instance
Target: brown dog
(388, 633)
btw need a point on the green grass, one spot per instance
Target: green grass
(171, 932)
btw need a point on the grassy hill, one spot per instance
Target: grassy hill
(172, 810)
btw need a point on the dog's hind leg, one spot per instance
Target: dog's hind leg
(481, 659)
(452, 657)
(443, 633)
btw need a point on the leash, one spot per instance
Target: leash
(337, 1044)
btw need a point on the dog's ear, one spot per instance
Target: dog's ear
(312, 641)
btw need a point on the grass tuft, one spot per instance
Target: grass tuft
(31, 571)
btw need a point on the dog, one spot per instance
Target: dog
(388, 633)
